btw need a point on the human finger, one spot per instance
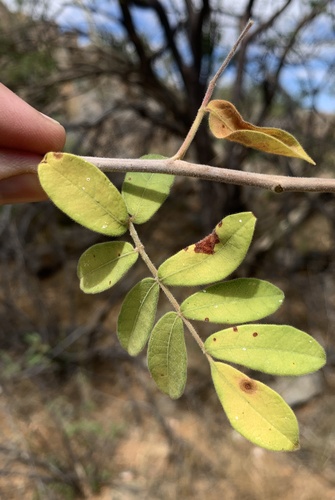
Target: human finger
(23, 128)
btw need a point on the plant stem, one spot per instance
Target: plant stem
(146, 259)
(210, 89)
(276, 183)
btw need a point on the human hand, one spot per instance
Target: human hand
(25, 136)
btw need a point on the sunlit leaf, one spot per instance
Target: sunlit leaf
(275, 349)
(226, 122)
(254, 410)
(167, 359)
(214, 257)
(84, 193)
(236, 301)
(104, 264)
(145, 192)
(137, 315)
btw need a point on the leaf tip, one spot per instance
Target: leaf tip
(310, 160)
(296, 445)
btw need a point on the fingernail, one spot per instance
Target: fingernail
(51, 119)
(21, 189)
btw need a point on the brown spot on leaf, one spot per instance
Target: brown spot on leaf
(255, 334)
(207, 244)
(58, 156)
(186, 248)
(248, 385)
(220, 224)
(235, 329)
(214, 339)
(206, 319)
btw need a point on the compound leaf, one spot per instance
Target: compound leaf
(254, 410)
(104, 264)
(226, 122)
(84, 193)
(214, 257)
(235, 301)
(167, 358)
(145, 192)
(274, 349)
(137, 315)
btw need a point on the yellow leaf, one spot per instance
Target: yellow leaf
(254, 410)
(226, 122)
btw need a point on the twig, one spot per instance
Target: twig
(168, 294)
(276, 183)
(211, 86)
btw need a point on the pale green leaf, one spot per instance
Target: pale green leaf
(145, 192)
(236, 301)
(104, 264)
(167, 358)
(254, 410)
(84, 193)
(137, 315)
(274, 349)
(214, 257)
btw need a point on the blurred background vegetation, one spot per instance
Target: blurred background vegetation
(79, 417)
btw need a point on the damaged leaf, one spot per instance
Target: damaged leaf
(257, 412)
(274, 349)
(226, 122)
(214, 257)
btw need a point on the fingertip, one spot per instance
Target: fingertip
(23, 128)
(56, 131)
(24, 188)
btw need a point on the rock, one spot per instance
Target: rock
(299, 390)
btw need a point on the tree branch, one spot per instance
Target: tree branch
(276, 183)
(15, 163)
(168, 32)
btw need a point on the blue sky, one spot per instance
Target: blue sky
(297, 75)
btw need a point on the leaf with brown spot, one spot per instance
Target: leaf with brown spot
(254, 410)
(274, 349)
(226, 122)
(104, 264)
(232, 302)
(84, 193)
(213, 258)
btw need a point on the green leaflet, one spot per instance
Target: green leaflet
(213, 258)
(84, 193)
(167, 358)
(102, 265)
(145, 192)
(254, 410)
(235, 301)
(137, 315)
(274, 349)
